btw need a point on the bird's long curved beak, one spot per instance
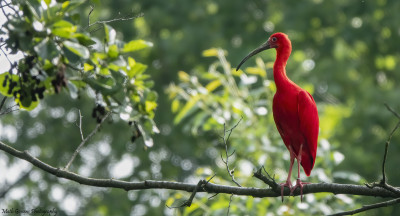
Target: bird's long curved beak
(263, 47)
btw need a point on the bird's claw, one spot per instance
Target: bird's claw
(299, 184)
(286, 184)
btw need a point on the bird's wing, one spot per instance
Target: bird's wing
(309, 127)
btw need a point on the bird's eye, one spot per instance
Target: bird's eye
(274, 39)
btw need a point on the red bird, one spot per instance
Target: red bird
(295, 112)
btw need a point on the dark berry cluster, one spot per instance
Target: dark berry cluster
(98, 112)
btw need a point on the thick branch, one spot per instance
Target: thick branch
(209, 187)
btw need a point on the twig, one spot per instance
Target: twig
(9, 187)
(10, 109)
(6, 5)
(5, 54)
(383, 182)
(209, 187)
(200, 185)
(392, 110)
(80, 125)
(226, 162)
(229, 206)
(2, 8)
(124, 18)
(90, 12)
(2, 102)
(388, 142)
(213, 196)
(85, 140)
(369, 207)
(267, 179)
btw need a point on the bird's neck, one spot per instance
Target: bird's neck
(281, 80)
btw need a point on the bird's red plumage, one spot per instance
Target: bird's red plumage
(294, 109)
(295, 112)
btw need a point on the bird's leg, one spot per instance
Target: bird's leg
(288, 183)
(299, 183)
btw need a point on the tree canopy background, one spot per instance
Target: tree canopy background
(345, 53)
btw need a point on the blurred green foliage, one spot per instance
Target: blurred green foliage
(344, 52)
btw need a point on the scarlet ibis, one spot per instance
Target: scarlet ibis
(295, 112)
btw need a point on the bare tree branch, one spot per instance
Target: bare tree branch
(86, 139)
(80, 125)
(209, 187)
(199, 185)
(369, 207)
(18, 181)
(10, 109)
(229, 206)
(383, 182)
(123, 18)
(2, 102)
(225, 139)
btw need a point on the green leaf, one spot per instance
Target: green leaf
(4, 86)
(185, 110)
(113, 51)
(46, 49)
(210, 52)
(150, 106)
(175, 105)
(73, 90)
(213, 85)
(110, 34)
(77, 49)
(84, 39)
(62, 24)
(47, 2)
(135, 68)
(100, 86)
(27, 104)
(63, 29)
(136, 45)
(72, 57)
(87, 67)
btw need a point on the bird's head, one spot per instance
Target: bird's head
(278, 41)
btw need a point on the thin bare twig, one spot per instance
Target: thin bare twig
(18, 181)
(10, 109)
(392, 110)
(90, 12)
(369, 207)
(2, 9)
(388, 142)
(80, 124)
(124, 18)
(383, 183)
(225, 139)
(270, 181)
(213, 196)
(2, 102)
(85, 140)
(200, 185)
(5, 54)
(229, 206)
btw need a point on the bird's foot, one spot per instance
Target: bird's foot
(286, 184)
(299, 184)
